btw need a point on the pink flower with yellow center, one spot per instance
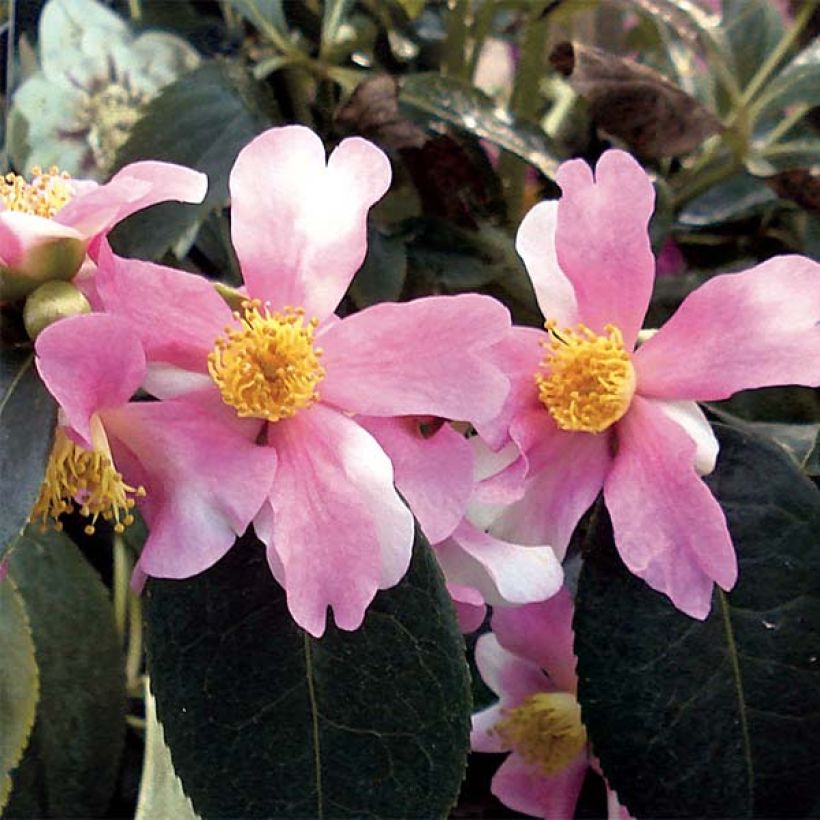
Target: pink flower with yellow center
(92, 365)
(48, 223)
(335, 527)
(589, 411)
(527, 660)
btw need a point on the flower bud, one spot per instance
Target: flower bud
(51, 302)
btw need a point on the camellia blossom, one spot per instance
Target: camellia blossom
(48, 223)
(94, 83)
(588, 411)
(527, 660)
(335, 528)
(92, 364)
(436, 473)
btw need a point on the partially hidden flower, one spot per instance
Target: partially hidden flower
(589, 411)
(49, 222)
(437, 473)
(93, 364)
(335, 528)
(528, 661)
(94, 81)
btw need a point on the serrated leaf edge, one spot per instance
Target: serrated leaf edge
(29, 720)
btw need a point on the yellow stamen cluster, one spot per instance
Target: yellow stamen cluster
(88, 478)
(267, 368)
(47, 192)
(588, 380)
(545, 730)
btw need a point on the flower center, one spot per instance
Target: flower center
(588, 381)
(111, 113)
(87, 477)
(47, 192)
(268, 367)
(546, 730)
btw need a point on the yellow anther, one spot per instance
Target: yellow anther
(47, 192)
(87, 478)
(588, 380)
(268, 367)
(545, 730)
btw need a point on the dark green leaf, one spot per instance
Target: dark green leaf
(27, 418)
(800, 405)
(263, 720)
(753, 28)
(739, 197)
(19, 683)
(202, 120)
(719, 718)
(798, 82)
(71, 763)
(465, 107)
(382, 274)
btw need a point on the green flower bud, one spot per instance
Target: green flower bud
(51, 302)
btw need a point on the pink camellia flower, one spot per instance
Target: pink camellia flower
(335, 528)
(589, 411)
(47, 225)
(92, 365)
(436, 473)
(527, 660)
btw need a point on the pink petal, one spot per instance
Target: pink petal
(133, 188)
(669, 529)
(340, 530)
(615, 811)
(299, 224)
(34, 250)
(482, 736)
(518, 356)
(505, 574)
(535, 244)
(510, 676)
(542, 633)
(523, 788)
(89, 363)
(689, 416)
(424, 357)
(572, 471)
(602, 240)
(177, 315)
(469, 607)
(757, 328)
(205, 481)
(433, 473)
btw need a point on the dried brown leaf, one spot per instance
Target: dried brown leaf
(634, 102)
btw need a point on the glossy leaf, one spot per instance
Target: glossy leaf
(737, 198)
(263, 720)
(202, 121)
(753, 28)
(19, 683)
(383, 272)
(161, 794)
(465, 107)
(72, 760)
(719, 718)
(27, 418)
(798, 82)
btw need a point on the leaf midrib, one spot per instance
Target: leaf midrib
(741, 697)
